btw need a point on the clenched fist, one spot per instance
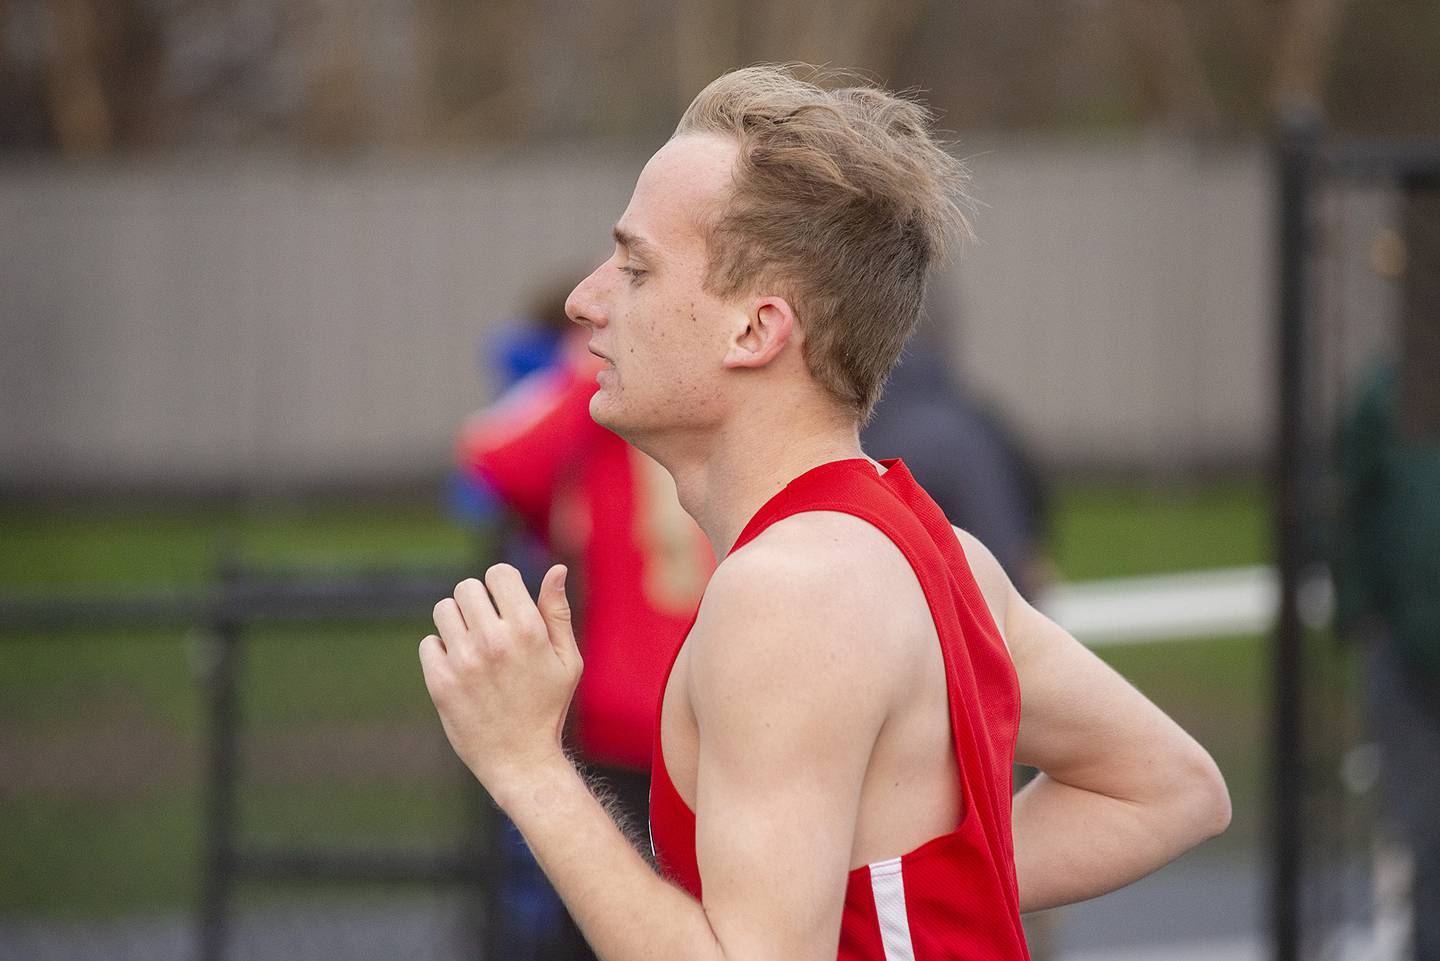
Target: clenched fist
(502, 671)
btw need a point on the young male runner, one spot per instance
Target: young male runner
(832, 773)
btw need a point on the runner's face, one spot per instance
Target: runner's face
(662, 335)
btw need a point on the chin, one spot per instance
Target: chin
(605, 412)
(602, 412)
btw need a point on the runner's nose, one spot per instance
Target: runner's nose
(583, 304)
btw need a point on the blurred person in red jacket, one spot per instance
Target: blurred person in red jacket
(639, 564)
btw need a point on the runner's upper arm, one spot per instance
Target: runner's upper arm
(1080, 721)
(994, 582)
(781, 681)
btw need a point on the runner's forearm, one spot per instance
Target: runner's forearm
(1072, 844)
(626, 911)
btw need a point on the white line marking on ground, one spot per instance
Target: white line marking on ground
(1173, 607)
(1217, 949)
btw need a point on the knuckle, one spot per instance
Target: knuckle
(464, 657)
(468, 586)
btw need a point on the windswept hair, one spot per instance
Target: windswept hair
(842, 200)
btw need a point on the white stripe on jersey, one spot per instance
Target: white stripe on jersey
(887, 883)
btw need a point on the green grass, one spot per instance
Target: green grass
(1109, 531)
(50, 546)
(423, 815)
(73, 855)
(104, 849)
(73, 681)
(81, 856)
(357, 674)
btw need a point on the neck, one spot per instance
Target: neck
(724, 481)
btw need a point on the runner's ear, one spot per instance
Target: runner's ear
(769, 325)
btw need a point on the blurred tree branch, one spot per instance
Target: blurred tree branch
(481, 75)
(1285, 47)
(712, 37)
(864, 34)
(708, 41)
(1173, 75)
(335, 113)
(1304, 51)
(75, 89)
(102, 75)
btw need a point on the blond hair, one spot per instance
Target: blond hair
(842, 201)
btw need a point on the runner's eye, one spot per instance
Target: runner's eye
(634, 273)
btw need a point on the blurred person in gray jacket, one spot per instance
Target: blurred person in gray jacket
(974, 466)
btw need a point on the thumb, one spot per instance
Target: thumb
(555, 609)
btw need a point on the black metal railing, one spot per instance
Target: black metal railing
(241, 600)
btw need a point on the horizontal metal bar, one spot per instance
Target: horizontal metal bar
(242, 601)
(1394, 159)
(434, 867)
(55, 611)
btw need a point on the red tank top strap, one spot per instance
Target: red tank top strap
(839, 481)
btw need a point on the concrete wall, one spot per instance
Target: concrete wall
(270, 325)
(1119, 304)
(276, 324)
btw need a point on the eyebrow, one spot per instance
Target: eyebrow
(635, 243)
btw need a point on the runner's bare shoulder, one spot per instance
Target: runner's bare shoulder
(839, 578)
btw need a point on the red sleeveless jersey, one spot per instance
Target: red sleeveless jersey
(953, 897)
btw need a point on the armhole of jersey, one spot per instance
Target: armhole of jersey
(999, 622)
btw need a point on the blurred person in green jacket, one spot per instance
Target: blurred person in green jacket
(1388, 592)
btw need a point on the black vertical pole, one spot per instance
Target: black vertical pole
(1420, 320)
(222, 671)
(1299, 132)
(483, 841)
